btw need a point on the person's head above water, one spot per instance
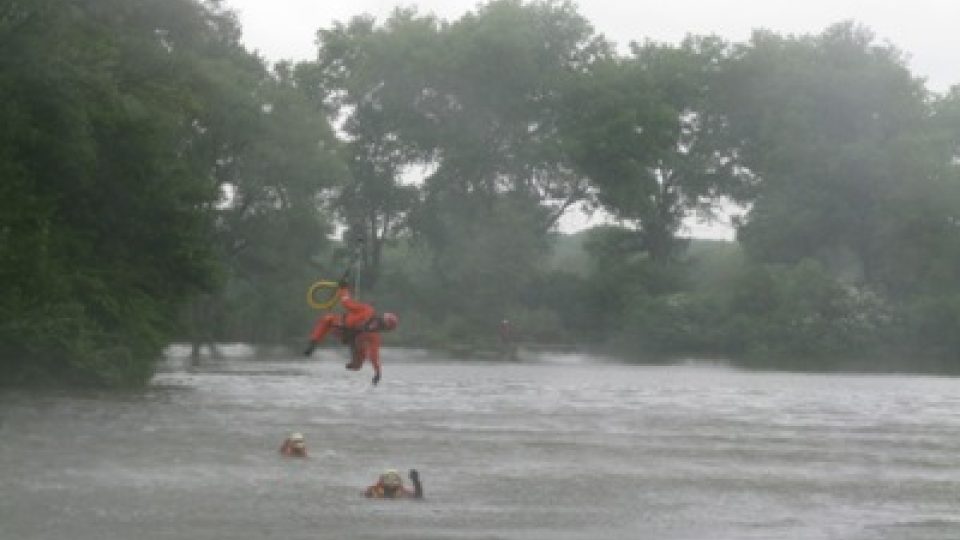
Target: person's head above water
(390, 486)
(391, 478)
(297, 441)
(294, 445)
(392, 483)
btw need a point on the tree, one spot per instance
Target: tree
(276, 157)
(375, 79)
(827, 123)
(109, 162)
(644, 133)
(855, 167)
(473, 102)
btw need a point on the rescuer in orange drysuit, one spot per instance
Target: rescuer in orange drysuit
(359, 328)
(390, 486)
(294, 446)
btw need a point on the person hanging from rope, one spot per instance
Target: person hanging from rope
(359, 328)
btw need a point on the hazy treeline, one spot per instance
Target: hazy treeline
(160, 182)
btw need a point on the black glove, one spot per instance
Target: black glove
(417, 487)
(310, 347)
(376, 379)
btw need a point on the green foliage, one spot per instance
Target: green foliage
(832, 126)
(676, 324)
(483, 253)
(570, 298)
(377, 78)
(274, 167)
(148, 160)
(807, 316)
(645, 133)
(929, 330)
(797, 317)
(475, 100)
(122, 122)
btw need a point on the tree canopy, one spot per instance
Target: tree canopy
(127, 126)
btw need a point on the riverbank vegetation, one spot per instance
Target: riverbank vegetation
(160, 182)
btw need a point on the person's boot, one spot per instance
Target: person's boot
(310, 347)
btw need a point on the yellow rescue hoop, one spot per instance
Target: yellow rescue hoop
(327, 291)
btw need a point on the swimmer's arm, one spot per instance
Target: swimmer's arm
(417, 486)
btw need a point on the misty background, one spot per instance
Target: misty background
(516, 180)
(163, 183)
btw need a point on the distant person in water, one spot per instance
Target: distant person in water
(294, 446)
(390, 486)
(359, 328)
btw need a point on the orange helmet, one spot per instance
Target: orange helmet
(390, 321)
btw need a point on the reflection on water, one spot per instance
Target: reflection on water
(562, 447)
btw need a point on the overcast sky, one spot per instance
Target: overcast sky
(927, 30)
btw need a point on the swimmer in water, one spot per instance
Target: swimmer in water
(390, 486)
(294, 446)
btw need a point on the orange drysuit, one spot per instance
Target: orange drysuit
(289, 449)
(355, 328)
(379, 491)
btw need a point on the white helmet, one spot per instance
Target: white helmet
(297, 438)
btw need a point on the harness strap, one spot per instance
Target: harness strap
(349, 335)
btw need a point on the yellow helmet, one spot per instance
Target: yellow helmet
(391, 478)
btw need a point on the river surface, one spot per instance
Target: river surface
(561, 447)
